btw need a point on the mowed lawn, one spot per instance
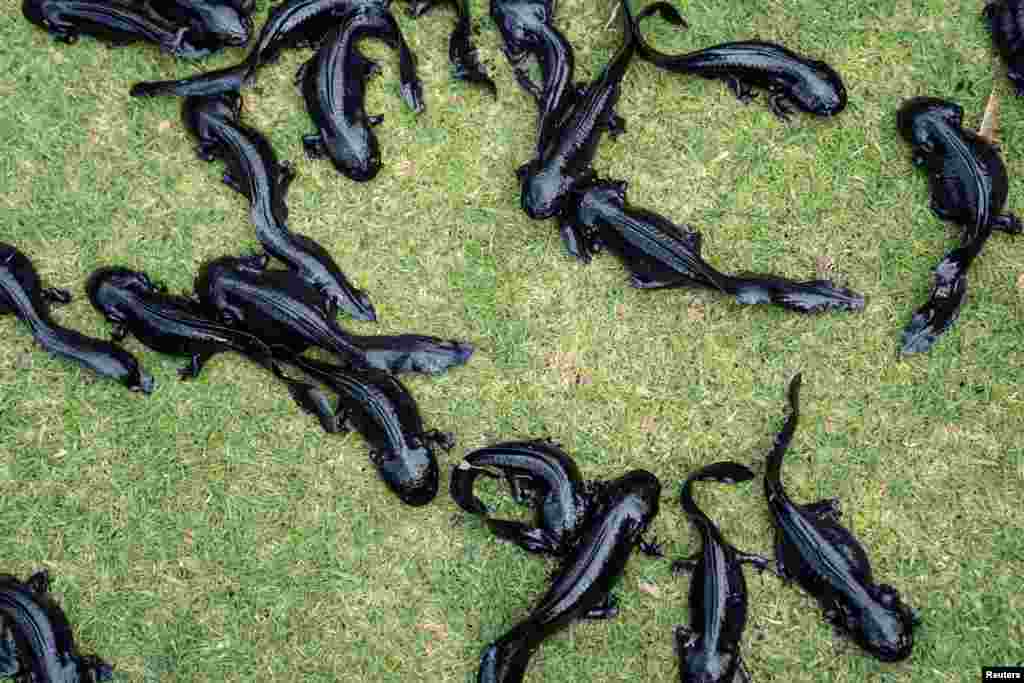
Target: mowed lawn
(211, 532)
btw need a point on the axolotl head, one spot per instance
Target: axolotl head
(920, 118)
(108, 289)
(231, 27)
(822, 94)
(413, 474)
(886, 627)
(699, 663)
(354, 151)
(520, 21)
(636, 494)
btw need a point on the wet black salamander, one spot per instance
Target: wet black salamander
(333, 86)
(659, 254)
(582, 585)
(969, 187)
(541, 475)
(274, 305)
(115, 23)
(382, 410)
(709, 650)
(254, 171)
(291, 24)
(830, 564)
(22, 293)
(179, 326)
(812, 86)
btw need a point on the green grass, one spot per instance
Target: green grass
(209, 532)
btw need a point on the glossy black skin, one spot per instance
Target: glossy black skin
(462, 54)
(290, 24)
(274, 305)
(564, 165)
(212, 24)
(812, 86)
(115, 23)
(36, 642)
(660, 254)
(967, 176)
(333, 85)
(709, 650)
(527, 30)
(582, 585)
(540, 474)
(969, 187)
(1005, 20)
(418, 353)
(830, 564)
(179, 326)
(22, 293)
(382, 410)
(254, 171)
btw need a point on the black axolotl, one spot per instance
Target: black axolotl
(790, 79)
(179, 326)
(582, 585)
(817, 552)
(254, 171)
(381, 409)
(709, 649)
(659, 254)
(275, 305)
(564, 163)
(333, 84)
(22, 293)
(527, 29)
(115, 23)
(541, 474)
(213, 24)
(969, 187)
(290, 24)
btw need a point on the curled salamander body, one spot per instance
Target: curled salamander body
(275, 305)
(709, 650)
(115, 23)
(383, 411)
(292, 23)
(1005, 19)
(254, 171)
(968, 178)
(969, 187)
(582, 585)
(212, 23)
(333, 86)
(660, 254)
(22, 293)
(540, 474)
(811, 85)
(830, 564)
(36, 642)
